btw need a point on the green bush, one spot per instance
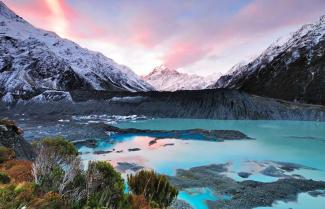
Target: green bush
(77, 199)
(105, 186)
(60, 144)
(4, 178)
(60, 182)
(56, 166)
(155, 188)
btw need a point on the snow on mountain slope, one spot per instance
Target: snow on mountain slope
(33, 60)
(164, 79)
(292, 70)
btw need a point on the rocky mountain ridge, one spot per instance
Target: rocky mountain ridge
(293, 70)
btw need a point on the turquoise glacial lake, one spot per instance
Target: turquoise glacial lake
(297, 142)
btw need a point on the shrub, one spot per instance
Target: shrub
(7, 197)
(154, 187)
(6, 154)
(4, 178)
(58, 169)
(57, 166)
(60, 145)
(16, 196)
(60, 182)
(25, 194)
(50, 200)
(75, 195)
(105, 186)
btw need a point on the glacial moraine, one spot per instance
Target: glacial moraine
(222, 104)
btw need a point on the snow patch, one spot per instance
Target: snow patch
(52, 96)
(8, 98)
(107, 119)
(134, 99)
(163, 78)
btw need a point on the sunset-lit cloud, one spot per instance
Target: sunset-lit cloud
(197, 36)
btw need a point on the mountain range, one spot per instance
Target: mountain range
(37, 64)
(34, 60)
(163, 78)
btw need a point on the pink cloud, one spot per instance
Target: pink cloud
(183, 53)
(261, 17)
(189, 30)
(42, 13)
(33, 11)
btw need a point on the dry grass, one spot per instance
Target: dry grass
(18, 170)
(139, 202)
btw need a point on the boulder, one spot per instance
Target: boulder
(11, 137)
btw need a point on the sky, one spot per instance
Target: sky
(194, 36)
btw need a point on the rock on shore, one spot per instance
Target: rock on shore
(244, 194)
(11, 137)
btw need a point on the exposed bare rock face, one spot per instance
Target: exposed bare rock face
(11, 137)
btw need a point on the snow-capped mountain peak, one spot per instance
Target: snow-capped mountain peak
(163, 70)
(163, 78)
(33, 60)
(307, 36)
(290, 69)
